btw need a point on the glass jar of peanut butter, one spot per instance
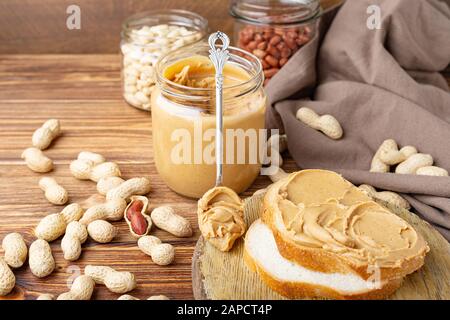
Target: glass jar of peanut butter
(146, 37)
(183, 117)
(274, 30)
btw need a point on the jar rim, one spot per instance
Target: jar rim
(199, 22)
(257, 78)
(275, 12)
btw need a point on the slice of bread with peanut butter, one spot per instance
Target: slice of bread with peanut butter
(321, 237)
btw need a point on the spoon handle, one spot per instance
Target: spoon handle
(219, 56)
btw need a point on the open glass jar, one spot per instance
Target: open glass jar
(183, 118)
(273, 30)
(145, 38)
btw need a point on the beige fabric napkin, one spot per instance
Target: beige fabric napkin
(379, 84)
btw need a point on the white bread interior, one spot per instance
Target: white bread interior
(294, 281)
(325, 261)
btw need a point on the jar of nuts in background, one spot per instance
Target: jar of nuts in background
(274, 30)
(145, 38)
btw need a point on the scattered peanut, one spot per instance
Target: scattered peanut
(127, 297)
(106, 184)
(147, 242)
(41, 260)
(45, 296)
(158, 297)
(130, 297)
(101, 231)
(15, 250)
(260, 192)
(88, 170)
(44, 136)
(166, 219)
(280, 174)
(408, 151)
(413, 163)
(161, 253)
(72, 212)
(7, 278)
(54, 192)
(96, 158)
(51, 227)
(115, 281)
(273, 157)
(139, 222)
(131, 187)
(386, 196)
(390, 154)
(82, 289)
(432, 171)
(280, 139)
(92, 200)
(37, 161)
(377, 165)
(76, 235)
(326, 123)
(408, 159)
(112, 211)
(54, 225)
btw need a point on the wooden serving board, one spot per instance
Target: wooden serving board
(219, 275)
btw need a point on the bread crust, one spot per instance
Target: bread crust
(328, 262)
(300, 290)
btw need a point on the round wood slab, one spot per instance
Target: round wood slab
(224, 276)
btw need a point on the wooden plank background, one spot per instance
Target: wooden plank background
(39, 26)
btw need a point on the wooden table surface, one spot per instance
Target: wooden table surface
(84, 93)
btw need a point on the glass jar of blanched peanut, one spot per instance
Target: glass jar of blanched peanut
(145, 38)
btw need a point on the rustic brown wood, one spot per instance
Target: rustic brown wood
(30, 26)
(431, 282)
(83, 91)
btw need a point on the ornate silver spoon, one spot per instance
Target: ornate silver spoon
(219, 57)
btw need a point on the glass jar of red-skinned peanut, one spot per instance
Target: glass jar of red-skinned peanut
(274, 30)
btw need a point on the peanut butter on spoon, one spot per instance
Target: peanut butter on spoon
(220, 210)
(221, 217)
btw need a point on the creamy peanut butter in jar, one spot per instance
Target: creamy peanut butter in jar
(183, 116)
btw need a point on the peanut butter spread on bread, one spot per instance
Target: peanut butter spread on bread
(320, 209)
(221, 217)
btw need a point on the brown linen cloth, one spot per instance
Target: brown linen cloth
(379, 84)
